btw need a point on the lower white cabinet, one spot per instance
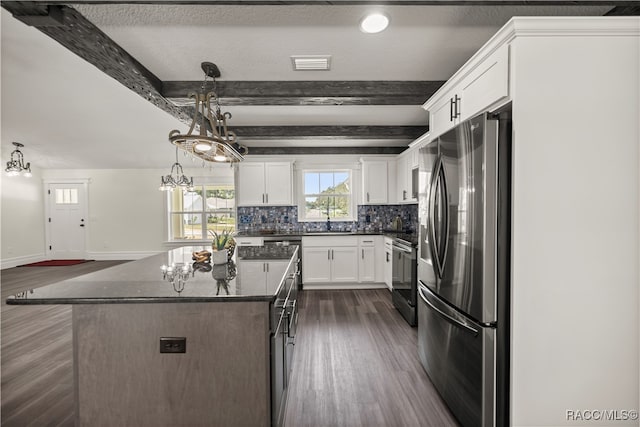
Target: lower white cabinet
(387, 262)
(342, 261)
(316, 265)
(329, 259)
(259, 275)
(370, 269)
(367, 261)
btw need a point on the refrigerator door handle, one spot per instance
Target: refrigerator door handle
(436, 184)
(430, 214)
(446, 216)
(454, 320)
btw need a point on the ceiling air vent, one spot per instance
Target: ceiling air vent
(311, 62)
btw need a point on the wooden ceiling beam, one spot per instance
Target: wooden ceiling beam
(355, 2)
(328, 132)
(307, 92)
(297, 151)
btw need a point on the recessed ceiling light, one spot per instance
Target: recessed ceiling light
(374, 23)
(311, 62)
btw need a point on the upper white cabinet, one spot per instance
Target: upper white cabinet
(470, 92)
(267, 183)
(407, 176)
(374, 182)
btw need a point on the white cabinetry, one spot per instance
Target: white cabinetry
(374, 182)
(316, 263)
(406, 177)
(249, 241)
(257, 277)
(262, 184)
(329, 260)
(369, 267)
(469, 92)
(342, 262)
(387, 262)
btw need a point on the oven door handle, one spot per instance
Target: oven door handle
(401, 249)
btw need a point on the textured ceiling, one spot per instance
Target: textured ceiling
(70, 115)
(256, 42)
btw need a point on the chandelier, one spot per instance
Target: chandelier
(16, 164)
(213, 142)
(176, 178)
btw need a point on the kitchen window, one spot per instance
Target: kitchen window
(327, 193)
(193, 215)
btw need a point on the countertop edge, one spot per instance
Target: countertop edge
(130, 300)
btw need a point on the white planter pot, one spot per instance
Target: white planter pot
(219, 257)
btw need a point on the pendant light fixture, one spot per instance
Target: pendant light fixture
(16, 165)
(176, 178)
(213, 142)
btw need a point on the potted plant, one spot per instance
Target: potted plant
(222, 246)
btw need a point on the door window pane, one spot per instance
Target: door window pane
(66, 196)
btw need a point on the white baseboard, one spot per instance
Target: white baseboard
(25, 259)
(120, 256)
(336, 286)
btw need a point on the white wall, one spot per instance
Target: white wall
(575, 325)
(22, 224)
(126, 210)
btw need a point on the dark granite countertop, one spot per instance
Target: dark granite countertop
(142, 281)
(409, 238)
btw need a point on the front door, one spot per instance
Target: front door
(67, 220)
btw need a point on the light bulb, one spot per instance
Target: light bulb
(203, 146)
(374, 23)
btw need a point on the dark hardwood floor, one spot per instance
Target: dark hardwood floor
(355, 362)
(36, 360)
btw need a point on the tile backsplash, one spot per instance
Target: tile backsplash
(285, 219)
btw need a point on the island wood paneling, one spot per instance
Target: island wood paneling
(223, 378)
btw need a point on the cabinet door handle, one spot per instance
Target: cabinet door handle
(328, 253)
(404, 194)
(331, 253)
(387, 254)
(362, 253)
(451, 109)
(262, 197)
(367, 196)
(457, 109)
(267, 197)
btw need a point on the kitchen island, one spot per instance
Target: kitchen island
(168, 341)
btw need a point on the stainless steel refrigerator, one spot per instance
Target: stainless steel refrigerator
(463, 267)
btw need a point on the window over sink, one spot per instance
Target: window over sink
(327, 193)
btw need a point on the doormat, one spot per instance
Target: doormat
(56, 263)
